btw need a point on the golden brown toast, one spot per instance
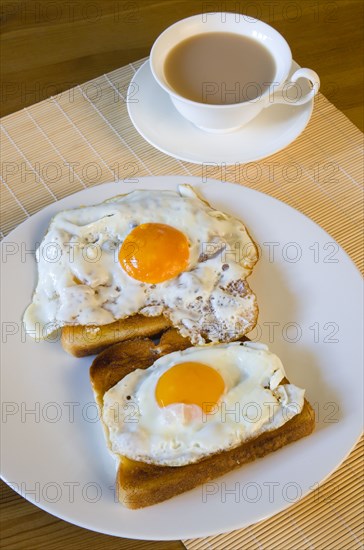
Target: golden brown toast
(140, 484)
(82, 340)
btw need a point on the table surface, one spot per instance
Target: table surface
(52, 46)
(49, 46)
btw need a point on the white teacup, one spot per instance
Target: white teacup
(227, 118)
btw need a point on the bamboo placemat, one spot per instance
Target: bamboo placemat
(84, 137)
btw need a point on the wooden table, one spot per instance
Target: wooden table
(50, 46)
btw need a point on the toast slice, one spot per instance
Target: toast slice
(139, 484)
(82, 340)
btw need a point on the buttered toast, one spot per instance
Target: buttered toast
(82, 340)
(140, 484)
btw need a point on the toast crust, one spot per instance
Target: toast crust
(117, 361)
(82, 340)
(140, 484)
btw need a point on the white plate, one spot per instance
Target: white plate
(320, 292)
(159, 123)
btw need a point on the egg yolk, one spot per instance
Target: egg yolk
(190, 383)
(154, 252)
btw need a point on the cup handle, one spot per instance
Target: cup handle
(281, 97)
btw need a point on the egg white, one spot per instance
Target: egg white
(81, 282)
(253, 402)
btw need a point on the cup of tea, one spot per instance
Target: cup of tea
(222, 69)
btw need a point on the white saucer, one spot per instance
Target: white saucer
(158, 122)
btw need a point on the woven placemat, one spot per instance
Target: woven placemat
(84, 137)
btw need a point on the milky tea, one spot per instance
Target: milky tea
(219, 68)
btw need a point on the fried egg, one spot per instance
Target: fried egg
(193, 403)
(148, 252)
